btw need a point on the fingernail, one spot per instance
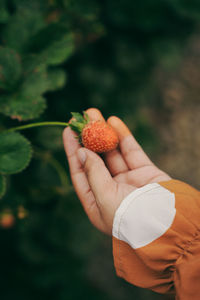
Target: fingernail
(81, 156)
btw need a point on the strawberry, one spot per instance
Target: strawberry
(97, 136)
(7, 220)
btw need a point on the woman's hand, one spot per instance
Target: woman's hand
(102, 184)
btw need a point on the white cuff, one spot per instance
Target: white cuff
(144, 215)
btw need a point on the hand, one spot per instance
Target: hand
(102, 184)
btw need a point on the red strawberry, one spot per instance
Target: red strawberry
(7, 220)
(97, 136)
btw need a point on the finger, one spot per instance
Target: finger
(131, 151)
(98, 176)
(115, 162)
(78, 176)
(95, 114)
(113, 159)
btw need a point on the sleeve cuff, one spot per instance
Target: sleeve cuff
(144, 215)
(154, 229)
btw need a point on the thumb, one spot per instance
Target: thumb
(98, 176)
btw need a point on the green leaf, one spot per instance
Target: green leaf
(2, 186)
(21, 28)
(31, 63)
(57, 48)
(35, 84)
(4, 14)
(22, 107)
(40, 81)
(87, 9)
(10, 68)
(59, 51)
(56, 79)
(15, 152)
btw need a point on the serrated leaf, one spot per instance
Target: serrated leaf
(22, 107)
(32, 62)
(21, 28)
(40, 81)
(35, 84)
(59, 51)
(15, 152)
(47, 36)
(2, 186)
(53, 50)
(10, 68)
(56, 79)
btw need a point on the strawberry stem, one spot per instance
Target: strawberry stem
(37, 125)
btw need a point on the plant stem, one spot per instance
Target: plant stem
(55, 164)
(38, 125)
(60, 170)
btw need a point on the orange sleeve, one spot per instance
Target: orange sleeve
(156, 239)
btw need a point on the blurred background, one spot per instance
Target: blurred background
(139, 60)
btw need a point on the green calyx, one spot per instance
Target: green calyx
(79, 122)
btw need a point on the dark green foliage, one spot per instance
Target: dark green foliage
(15, 153)
(56, 79)
(189, 9)
(2, 185)
(58, 56)
(4, 13)
(10, 68)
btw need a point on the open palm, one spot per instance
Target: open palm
(101, 183)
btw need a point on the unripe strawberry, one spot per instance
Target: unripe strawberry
(22, 212)
(97, 136)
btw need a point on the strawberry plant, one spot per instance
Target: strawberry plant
(36, 38)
